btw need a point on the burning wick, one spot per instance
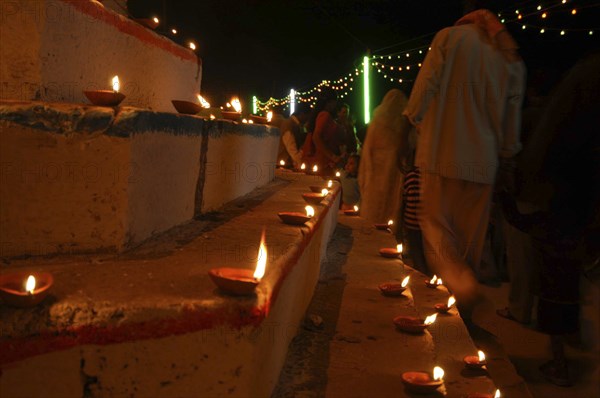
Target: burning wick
(497, 394)
(155, 20)
(432, 281)
(282, 162)
(261, 262)
(212, 117)
(174, 31)
(315, 168)
(269, 116)
(390, 223)
(250, 121)
(451, 302)
(204, 103)
(439, 281)
(481, 356)
(337, 174)
(430, 319)
(329, 184)
(303, 166)
(356, 208)
(115, 84)
(244, 121)
(438, 373)
(399, 248)
(30, 284)
(405, 281)
(192, 45)
(310, 212)
(235, 102)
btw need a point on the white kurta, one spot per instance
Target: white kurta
(467, 103)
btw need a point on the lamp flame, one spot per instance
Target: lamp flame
(155, 20)
(192, 45)
(250, 121)
(497, 394)
(430, 319)
(115, 84)
(399, 248)
(30, 284)
(438, 373)
(337, 174)
(235, 102)
(451, 301)
(432, 281)
(244, 120)
(315, 168)
(228, 105)
(282, 162)
(390, 222)
(355, 208)
(204, 103)
(303, 166)
(324, 191)
(212, 117)
(481, 356)
(310, 211)
(329, 184)
(261, 262)
(439, 281)
(269, 116)
(405, 281)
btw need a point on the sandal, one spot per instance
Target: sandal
(556, 373)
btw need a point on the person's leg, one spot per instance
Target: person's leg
(415, 242)
(439, 198)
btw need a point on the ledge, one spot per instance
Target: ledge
(139, 296)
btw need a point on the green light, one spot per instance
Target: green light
(254, 105)
(366, 64)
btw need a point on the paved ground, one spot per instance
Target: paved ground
(344, 356)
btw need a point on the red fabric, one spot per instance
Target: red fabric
(329, 132)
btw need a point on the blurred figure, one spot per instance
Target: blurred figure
(322, 145)
(346, 122)
(379, 178)
(350, 188)
(293, 136)
(560, 168)
(467, 103)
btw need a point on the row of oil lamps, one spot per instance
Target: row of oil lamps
(239, 282)
(232, 110)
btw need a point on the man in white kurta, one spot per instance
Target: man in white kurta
(466, 103)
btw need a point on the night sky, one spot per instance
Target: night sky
(266, 47)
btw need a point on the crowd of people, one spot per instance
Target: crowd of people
(461, 145)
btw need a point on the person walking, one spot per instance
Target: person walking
(467, 103)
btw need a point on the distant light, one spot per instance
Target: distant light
(155, 20)
(174, 31)
(562, 32)
(574, 11)
(542, 31)
(192, 45)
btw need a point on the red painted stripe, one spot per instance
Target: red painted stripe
(129, 27)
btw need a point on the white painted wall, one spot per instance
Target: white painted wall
(52, 51)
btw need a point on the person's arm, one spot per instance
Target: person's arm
(428, 80)
(290, 146)
(322, 119)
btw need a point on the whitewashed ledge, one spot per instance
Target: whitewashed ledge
(79, 178)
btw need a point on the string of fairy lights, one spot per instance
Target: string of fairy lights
(399, 67)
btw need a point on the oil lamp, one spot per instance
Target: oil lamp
(106, 97)
(24, 289)
(423, 382)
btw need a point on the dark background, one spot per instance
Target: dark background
(266, 47)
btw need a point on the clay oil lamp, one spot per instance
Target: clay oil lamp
(352, 212)
(106, 97)
(383, 226)
(476, 362)
(258, 119)
(394, 289)
(236, 113)
(151, 23)
(414, 325)
(295, 218)
(191, 108)
(22, 289)
(484, 395)
(390, 252)
(434, 282)
(444, 308)
(423, 382)
(241, 281)
(314, 198)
